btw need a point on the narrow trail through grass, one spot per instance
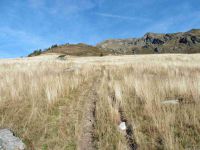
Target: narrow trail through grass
(87, 141)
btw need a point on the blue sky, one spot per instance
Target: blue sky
(26, 25)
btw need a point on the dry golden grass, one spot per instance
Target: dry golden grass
(42, 101)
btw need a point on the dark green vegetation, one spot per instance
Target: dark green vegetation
(35, 53)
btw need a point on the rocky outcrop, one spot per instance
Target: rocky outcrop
(10, 142)
(183, 42)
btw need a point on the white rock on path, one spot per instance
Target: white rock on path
(170, 102)
(122, 126)
(9, 142)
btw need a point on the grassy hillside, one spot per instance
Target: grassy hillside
(79, 103)
(73, 50)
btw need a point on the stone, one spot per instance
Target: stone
(183, 40)
(175, 101)
(10, 142)
(157, 41)
(122, 126)
(62, 57)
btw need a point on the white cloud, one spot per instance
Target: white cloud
(122, 17)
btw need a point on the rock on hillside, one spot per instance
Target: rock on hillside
(10, 142)
(183, 42)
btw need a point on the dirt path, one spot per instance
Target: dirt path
(90, 97)
(86, 140)
(129, 132)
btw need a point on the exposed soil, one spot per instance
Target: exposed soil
(90, 98)
(87, 141)
(129, 134)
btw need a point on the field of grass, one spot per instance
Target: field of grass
(78, 103)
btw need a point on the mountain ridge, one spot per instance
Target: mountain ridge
(151, 43)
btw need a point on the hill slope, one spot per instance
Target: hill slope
(150, 43)
(183, 42)
(74, 50)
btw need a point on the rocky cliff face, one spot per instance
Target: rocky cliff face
(183, 42)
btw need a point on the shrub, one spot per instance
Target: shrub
(54, 46)
(35, 53)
